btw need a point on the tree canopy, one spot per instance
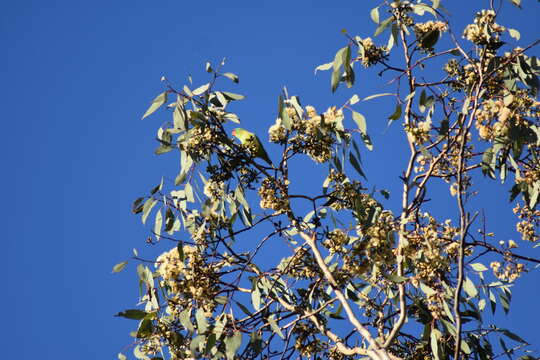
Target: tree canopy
(360, 272)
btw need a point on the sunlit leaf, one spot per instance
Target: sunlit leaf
(374, 13)
(156, 104)
(232, 76)
(360, 121)
(232, 344)
(119, 267)
(377, 95)
(514, 33)
(382, 26)
(324, 67)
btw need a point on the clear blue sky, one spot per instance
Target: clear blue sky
(76, 78)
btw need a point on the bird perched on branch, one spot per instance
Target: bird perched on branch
(253, 143)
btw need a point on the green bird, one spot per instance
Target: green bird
(252, 141)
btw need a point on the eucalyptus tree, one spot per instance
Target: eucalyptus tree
(365, 275)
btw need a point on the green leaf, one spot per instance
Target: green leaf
(179, 120)
(397, 113)
(137, 205)
(419, 9)
(339, 61)
(360, 121)
(196, 344)
(465, 108)
(324, 67)
(145, 329)
(244, 309)
(221, 300)
(465, 347)
(185, 320)
(119, 267)
(256, 298)
(157, 225)
(147, 208)
(479, 267)
(382, 26)
(469, 287)
(275, 327)
(202, 324)
(377, 95)
(232, 344)
(133, 314)
(201, 89)
(354, 99)
(121, 356)
(232, 76)
(169, 219)
(367, 141)
(426, 289)
(435, 337)
(534, 195)
(513, 336)
(396, 278)
(283, 114)
(374, 13)
(514, 33)
(156, 103)
(356, 164)
(233, 96)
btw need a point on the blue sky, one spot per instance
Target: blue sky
(76, 78)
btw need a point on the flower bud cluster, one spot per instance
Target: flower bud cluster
(509, 272)
(370, 54)
(273, 194)
(529, 223)
(484, 30)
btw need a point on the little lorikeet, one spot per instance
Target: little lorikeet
(250, 139)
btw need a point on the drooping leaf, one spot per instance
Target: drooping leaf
(147, 208)
(396, 114)
(337, 65)
(382, 26)
(157, 224)
(119, 267)
(232, 344)
(232, 76)
(374, 13)
(275, 327)
(133, 314)
(360, 121)
(202, 323)
(145, 328)
(435, 346)
(156, 104)
(469, 287)
(356, 164)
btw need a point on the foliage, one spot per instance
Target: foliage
(360, 280)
